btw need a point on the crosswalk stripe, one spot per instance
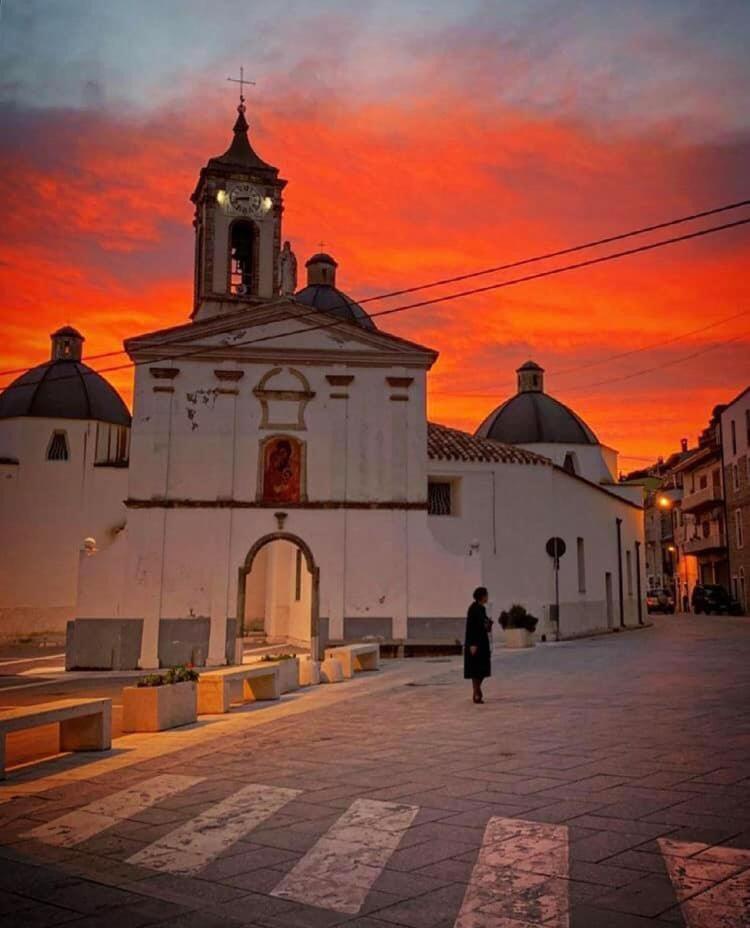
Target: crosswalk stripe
(97, 816)
(339, 870)
(190, 847)
(520, 877)
(712, 884)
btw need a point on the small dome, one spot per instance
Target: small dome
(322, 293)
(534, 417)
(331, 300)
(63, 389)
(321, 258)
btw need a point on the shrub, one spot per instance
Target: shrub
(278, 657)
(173, 675)
(181, 674)
(518, 617)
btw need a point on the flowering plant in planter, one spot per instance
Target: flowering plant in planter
(518, 617)
(160, 700)
(179, 674)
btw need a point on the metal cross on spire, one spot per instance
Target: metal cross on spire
(242, 81)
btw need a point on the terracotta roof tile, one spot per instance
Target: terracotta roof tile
(446, 444)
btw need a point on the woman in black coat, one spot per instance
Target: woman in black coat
(477, 656)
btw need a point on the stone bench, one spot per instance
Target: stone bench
(85, 724)
(249, 682)
(355, 657)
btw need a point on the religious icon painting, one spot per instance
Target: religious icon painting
(282, 470)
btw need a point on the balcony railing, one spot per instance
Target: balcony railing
(708, 496)
(699, 544)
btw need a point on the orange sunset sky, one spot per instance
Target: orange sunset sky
(419, 140)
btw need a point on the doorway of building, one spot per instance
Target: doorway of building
(278, 593)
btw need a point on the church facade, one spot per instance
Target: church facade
(284, 482)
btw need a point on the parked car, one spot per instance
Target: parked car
(711, 597)
(660, 600)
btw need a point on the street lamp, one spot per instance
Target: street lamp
(664, 502)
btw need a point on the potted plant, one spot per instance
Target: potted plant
(518, 626)
(160, 701)
(288, 671)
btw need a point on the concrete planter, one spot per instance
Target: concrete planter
(156, 708)
(518, 638)
(288, 674)
(309, 672)
(331, 671)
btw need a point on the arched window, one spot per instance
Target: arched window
(57, 450)
(570, 464)
(243, 251)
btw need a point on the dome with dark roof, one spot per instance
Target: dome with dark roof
(534, 417)
(64, 388)
(331, 300)
(322, 293)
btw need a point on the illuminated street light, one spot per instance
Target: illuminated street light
(664, 502)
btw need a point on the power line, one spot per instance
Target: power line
(661, 344)
(613, 357)
(563, 251)
(492, 270)
(589, 262)
(657, 367)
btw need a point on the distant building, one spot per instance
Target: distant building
(735, 432)
(662, 494)
(701, 537)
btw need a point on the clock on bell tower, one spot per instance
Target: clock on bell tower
(238, 208)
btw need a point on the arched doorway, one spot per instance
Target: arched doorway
(277, 592)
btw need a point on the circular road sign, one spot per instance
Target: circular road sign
(555, 547)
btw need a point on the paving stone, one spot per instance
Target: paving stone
(414, 858)
(436, 910)
(648, 897)
(603, 845)
(39, 915)
(589, 916)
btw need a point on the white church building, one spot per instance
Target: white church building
(280, 478)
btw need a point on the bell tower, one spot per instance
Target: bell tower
(238, 208)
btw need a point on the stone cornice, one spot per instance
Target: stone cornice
(281, 355)
(252, 504)
(181, 339)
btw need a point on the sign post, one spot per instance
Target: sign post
(556, 548)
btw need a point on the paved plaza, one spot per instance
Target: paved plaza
(605, 783)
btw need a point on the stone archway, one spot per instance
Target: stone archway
(314, 571)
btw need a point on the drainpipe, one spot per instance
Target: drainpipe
(638, 581)
(619, 572)
(724, 507)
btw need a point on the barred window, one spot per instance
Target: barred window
(439, 498)
(58, 447)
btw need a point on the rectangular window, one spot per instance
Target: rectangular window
(692, 483)
(581, 566)
(733, 432)
(440, 498)
(298, 576)
(738, 528)
(735, 476)
(629, 571)
(747, 427)
(703, 481)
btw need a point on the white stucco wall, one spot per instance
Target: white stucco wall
(597, 463)
(47, 508)
(532, 504)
